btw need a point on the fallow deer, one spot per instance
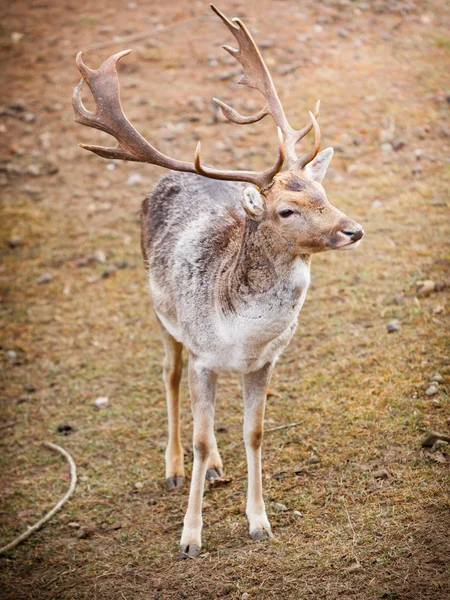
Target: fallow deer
(228, 266)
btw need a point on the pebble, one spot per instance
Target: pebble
(74, 525)
(425, 288)
(44, 278)
(245, 596)
(134, 179)
(11, 355)
(298, 514)
(314, 460)
(398, 145)
(381, 474)
(121, 263)
(431, 390)
(86, 532)
(34, 170)
(110, 270)
(100, 256)
(101, 402)
(280, 507)
(437, 377)
(393, 326)
(139, 485)
(386, 147)
(15, 241)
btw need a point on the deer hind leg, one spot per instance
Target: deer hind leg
(255, 390)
(172, 367)
(202, 385)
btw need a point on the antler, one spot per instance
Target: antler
(256, 75)
(109, 117)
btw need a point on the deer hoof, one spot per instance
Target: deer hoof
(261, 535)
(188, 551)
(175, 482)
(214, 473)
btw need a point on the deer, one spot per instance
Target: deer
(227, 256)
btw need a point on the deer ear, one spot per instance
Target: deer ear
(317, 168)
(253, 203)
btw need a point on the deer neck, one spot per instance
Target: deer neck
(262, 266)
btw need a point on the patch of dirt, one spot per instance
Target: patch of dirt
(69, 220)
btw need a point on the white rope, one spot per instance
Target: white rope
(49, 515)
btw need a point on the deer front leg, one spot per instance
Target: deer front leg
(202, 386)
(255, 389)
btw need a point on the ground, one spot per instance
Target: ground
(372, 506)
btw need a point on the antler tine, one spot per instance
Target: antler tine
(256, 75)
(302, 162)
(109, 117)
(262, 179)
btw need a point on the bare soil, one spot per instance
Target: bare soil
(381, 71)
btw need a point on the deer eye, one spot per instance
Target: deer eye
(287, 212)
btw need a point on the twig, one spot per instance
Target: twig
(356, 566)
(58, 576)
(146, 34)
(280, 427)
(8, 425)
(49, 515)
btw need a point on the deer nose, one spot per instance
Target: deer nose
(354, 234)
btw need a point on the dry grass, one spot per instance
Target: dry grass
(358, 391)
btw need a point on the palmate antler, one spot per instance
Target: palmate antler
(109, 116)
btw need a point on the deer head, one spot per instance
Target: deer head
(294, 202)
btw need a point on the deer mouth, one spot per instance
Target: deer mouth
(350, 245)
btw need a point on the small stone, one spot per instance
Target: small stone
(298, 514)
(354, 568)
(303, 38)
(398, 145)
(431, 390)
(418, 153)
(381, 474)
(425, 288)
(139, 485)
(386, 147)
(393, 326)
(157, 583)
(29, 117)
(74, 525)
(134, 178)
(44, 278)
(100, 256)
(110, 270)
(121, 263)
(343, 33)
(101, 402)
(15, 241)
(314, 460)
(280, 507)
(377, 204)
(17, 36)
(437, 377)
(245, 596)
(86, 532)
(11, 355)
(423, 484)
(34, 170)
